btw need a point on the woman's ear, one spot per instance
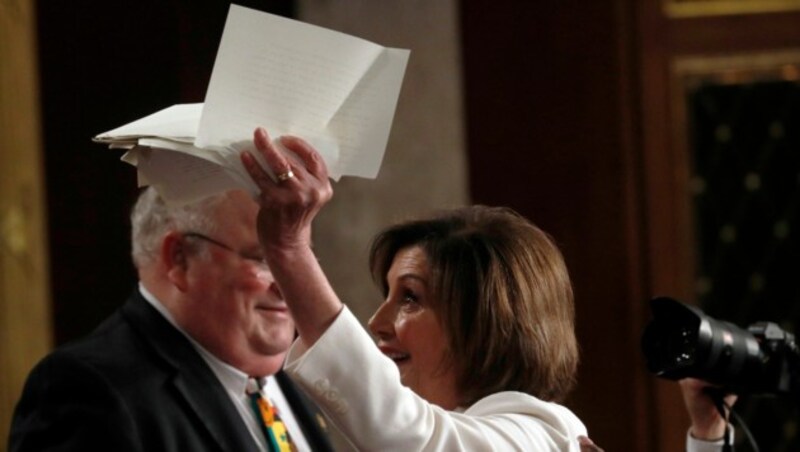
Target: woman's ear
(174, 258)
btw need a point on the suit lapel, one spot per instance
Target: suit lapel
(215, 411)
(308, 415)
(194, 382)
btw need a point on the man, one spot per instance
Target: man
(170, 370)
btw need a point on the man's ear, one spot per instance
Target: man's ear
(173, 255)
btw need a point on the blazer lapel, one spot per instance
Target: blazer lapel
(308, 415)
(193, 380)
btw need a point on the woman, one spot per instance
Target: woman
(476, 330)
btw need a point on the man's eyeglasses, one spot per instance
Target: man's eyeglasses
(258, 260)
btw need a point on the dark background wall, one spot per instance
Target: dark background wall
(548, 89)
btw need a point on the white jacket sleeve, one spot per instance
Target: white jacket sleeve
(360, 389)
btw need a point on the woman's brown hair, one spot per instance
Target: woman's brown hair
(502, 294)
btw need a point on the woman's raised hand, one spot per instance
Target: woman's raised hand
(288, 207)
(291, 201)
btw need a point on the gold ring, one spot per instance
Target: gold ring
(283, 177)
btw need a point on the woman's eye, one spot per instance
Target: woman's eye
(410, 297)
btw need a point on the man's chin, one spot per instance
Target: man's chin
(266, 369)
(274, 344)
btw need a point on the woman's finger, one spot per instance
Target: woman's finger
(274, 158)
(260, 177)
(309, 157)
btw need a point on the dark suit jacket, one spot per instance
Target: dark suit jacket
(136, 384)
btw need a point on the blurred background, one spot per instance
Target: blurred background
(658, 141)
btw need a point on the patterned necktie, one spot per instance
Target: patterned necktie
(272, 426)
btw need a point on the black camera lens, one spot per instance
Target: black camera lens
(681, 341)
(670, 344)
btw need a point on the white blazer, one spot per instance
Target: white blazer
(360, 389)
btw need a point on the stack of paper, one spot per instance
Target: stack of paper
(335, 91)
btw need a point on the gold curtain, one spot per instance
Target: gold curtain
(25, 325)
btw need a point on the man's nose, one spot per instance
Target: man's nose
(265, 277)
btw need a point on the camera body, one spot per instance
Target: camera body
(681, 341)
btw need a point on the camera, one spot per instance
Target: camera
(681, 341)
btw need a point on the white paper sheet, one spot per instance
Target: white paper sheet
(336, 91)
(178, 122)
(181, 178)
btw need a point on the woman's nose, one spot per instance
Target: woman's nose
(381, 323)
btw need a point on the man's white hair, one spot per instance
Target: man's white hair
(152, 218)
